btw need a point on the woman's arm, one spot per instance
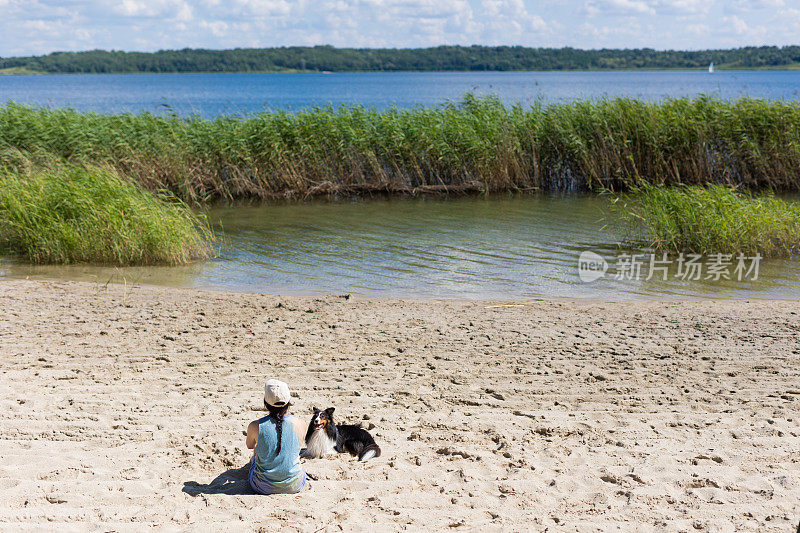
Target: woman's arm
(300, 428)
(252, 435)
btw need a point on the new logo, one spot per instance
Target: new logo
(591, 266)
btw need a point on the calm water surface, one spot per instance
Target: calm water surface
(510, 248)
(215, 94)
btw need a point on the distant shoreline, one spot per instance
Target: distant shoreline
(25, 72)
(437, 59)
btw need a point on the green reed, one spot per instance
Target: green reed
(74, 214)
(476, 145)
(713, 219)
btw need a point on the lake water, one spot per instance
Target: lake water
(500, 248)
(522, 247)
(215, 94)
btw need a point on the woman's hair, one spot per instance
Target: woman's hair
(277, 414)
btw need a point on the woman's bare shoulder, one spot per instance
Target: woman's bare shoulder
(299, 425)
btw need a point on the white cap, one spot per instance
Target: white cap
(276, 393)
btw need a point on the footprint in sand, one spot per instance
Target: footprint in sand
(8, 483)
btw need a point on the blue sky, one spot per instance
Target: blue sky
(41, 26)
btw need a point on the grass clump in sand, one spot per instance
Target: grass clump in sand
(712, 219)
(90, 214)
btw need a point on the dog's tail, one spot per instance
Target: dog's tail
(369, 451)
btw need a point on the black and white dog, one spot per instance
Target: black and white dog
(324, 436)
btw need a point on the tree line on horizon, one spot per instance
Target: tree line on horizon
(441, 58)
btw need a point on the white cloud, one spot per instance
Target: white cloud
(509, 19)
(163, 9)
(608, 35)
(751, 5)
(793, 17)
(218, 28)
(738, 25)
(41, 26)
(684, 6)
(698, 30)
(256, 8)
(134, 8)
(627, 7)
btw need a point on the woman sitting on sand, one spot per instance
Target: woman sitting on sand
(275, 468)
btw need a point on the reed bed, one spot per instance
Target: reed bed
(711, 220)
(75, 214)
(475, 145)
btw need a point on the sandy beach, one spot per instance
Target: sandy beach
(124, 407)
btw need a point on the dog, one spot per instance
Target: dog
(324, 436)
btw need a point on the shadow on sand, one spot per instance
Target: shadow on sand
(233, 481)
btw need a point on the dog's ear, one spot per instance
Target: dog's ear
(330, 410)
(315, 410)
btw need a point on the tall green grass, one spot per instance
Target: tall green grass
(713, 219)
(474, 145)
(76, 214)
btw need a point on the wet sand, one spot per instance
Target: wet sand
(125, 406)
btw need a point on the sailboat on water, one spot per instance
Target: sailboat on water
(711, 68)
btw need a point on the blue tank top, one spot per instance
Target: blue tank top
(282, 471)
